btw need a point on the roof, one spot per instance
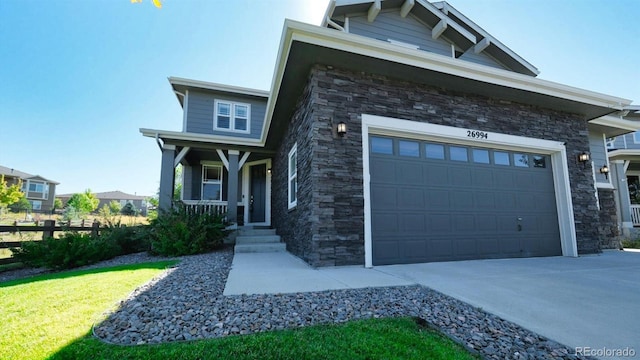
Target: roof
(23, 175)
(453, 25)
(181, 85)
(111, 195)
(304, 45)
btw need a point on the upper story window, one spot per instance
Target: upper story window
(293, 177)
(636, 137)
(230, 116)
(611, 143)
(37, 187)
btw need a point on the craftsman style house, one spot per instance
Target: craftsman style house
(39, 191)
(399, 131)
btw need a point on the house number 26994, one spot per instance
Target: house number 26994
(477, 134)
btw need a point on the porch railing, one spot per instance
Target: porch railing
(206, 206)
(635, 215)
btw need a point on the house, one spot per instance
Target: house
(624, 165)
(40, 191)
(400, 131)
(139, 202)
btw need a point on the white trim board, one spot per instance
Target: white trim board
(380, 125)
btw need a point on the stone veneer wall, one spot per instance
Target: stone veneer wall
(327, 227)
(608, 229)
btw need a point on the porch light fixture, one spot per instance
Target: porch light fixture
(342, 128)
(269, 171)
(605, 170)
(583, 158)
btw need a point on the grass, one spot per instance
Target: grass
(399, 338)
(50, 317)
(42, 314)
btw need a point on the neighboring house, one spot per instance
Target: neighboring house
(400, 132)
(40, 191)
(624, 165)
(139, 202)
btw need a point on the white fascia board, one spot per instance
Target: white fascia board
(217, 87)
(445, 7)
(623, 152)
(616, 122)
(212, 139)
(374, 48)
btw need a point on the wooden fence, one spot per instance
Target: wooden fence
(48, 229)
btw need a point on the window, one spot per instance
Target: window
(231, 116)
(37, 187)
(293, 177)
(458, 153)
(36, 204)
(611, 143)
(409, 148)
(434, 151)
(480, 156)
(521, 160)
(501, 158)
(212, 182)
(636, 137)
(539, 161)
(381, 145)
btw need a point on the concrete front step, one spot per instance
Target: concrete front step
(256, 232)
(242, 239)
(260, 248)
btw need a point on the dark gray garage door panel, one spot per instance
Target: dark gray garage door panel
(439, 210)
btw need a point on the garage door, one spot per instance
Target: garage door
(439, 202)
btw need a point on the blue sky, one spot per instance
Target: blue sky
(79, 78)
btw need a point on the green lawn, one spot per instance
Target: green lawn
(50, 317)
(42, 314)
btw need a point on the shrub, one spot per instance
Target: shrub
(178, 232)
(130, 240)
(71, 250)
(631, 244)
(129, 209)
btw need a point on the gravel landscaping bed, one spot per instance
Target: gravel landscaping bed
(186, 303)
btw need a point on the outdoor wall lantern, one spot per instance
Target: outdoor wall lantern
(342, 128)
(583, 158)
(605, 170)
(269, 171)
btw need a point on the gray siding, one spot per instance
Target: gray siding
(626, 141)
(598, 154)
(200, 109)
(482, 59)
(390, 25)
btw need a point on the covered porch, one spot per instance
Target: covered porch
(625, 174)
(217, 178)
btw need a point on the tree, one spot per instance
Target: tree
(83, 203)
(114, 207)
(129, 209)
(22, 204)
(9, 194)
(57, 204)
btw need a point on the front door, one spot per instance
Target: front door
(257, 193)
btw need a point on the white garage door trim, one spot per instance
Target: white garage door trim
(380, 125)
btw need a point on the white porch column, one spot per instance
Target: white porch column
(623, 203)
(167, 177)
(232, 188)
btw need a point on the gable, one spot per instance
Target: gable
(411, 32)
(433, 27)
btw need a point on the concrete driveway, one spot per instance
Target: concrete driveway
(590, 301)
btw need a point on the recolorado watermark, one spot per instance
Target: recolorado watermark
(605, 352)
